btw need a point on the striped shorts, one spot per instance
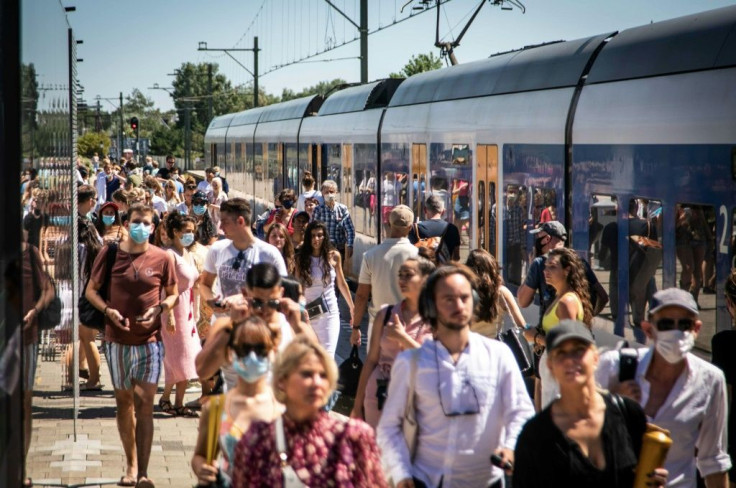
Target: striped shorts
(140, 363)
(30, 360)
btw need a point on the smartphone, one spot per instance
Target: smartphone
(381, 392)
(629, 360)
(139, 318)
(498, 461)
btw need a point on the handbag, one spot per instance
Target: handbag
(317, 307)
(515, 340)
(49, 316)
(89, 315)
(350, 373)
(290, 479)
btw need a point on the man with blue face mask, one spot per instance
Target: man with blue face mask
(678, 390)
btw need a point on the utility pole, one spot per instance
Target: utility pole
(209, 92)
(98, 122)
(364, 41)
(187, 127)
(254, 73)
(120, 146)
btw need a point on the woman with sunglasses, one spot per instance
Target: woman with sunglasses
(585, 437)
(109, 225)
(251, 350)
(723, 344)
(307, 444)
(395, 329)
(319, 268)
(206, 232)
(179, 330)
(171, 196)
(278, 236)
(216, 198)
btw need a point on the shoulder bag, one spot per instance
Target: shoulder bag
(349, 373)
(88, 314)
(49, 316)
(515, 340)
(290, 479)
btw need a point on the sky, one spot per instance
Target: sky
(137, 43)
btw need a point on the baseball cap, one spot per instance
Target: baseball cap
(673, 297)
(199, 196)
(302, 213)
(109, 204)
(568, 329)
(401, 216)
(553, 228)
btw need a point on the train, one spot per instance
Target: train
(595, 132)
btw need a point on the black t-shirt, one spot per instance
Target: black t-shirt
(723, 344)
(163, 173)
(435, 228)
(32, 224)
(544, 456)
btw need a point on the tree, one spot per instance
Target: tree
(321, 88)
(419, 64)
(93, 142)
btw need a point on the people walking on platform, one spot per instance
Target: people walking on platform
(467, 391)
(445, 235)
(379, 269)
(107, 183)
(251, 351)
(171, 196)
(186, 206)
(279, 237)
(179, 325)
(309, 192)
(218, 174)
(140, 274)
(299, 222)
(307, 445)
(205, 185)
(397, 327)
(283, 214)
(679, 391)
(216, 197)
(164, 173)
(310, 205)
(109, 225)
(319, 269)
(585, 437)
(338, 220)
(206, 233)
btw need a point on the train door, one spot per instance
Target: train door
(419, 178)
(487, 182)
(315, 163)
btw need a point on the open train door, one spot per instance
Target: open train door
(487, 187)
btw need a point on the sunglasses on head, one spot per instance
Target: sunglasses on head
(672, 324)
(244, 349)
(258, 304)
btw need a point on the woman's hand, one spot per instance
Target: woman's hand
(659, 477)
(407, 483)
(355, 338)
(395, 331)
(357, 411)
(207, 473)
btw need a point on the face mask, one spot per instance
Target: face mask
(108, 219)
(673, 345)
(199, 209)
(252, 367)
(140, 232)
(538, 246)
(330, 197)
(187, 239)
(287, 204)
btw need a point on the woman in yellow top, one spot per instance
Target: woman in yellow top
(565, 272)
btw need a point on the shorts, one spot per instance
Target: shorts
(30, 360)
(140, 363)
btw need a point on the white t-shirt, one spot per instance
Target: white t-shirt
(205, 186)
(380, 269)
(159, 204)
(223, 254)
(309, 194)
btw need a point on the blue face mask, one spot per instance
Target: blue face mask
(252, 367)
(140, 232)
(287, 204)
(199, 209)
(187, 239)
(108, 219)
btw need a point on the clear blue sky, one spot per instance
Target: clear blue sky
(135, 43)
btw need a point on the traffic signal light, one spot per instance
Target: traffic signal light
(134, 123)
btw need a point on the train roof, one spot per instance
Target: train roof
(221, 121)
(362, 97)
(706, 40)
(247, 117)
(293, 109)
(549, 66)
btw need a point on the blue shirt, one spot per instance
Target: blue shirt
(339, 224)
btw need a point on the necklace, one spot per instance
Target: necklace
(135, 269)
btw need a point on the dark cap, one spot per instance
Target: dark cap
(568, 329)
(109, 204)
(673, 297)
(553, 228)
(199, 195)
(302, 213)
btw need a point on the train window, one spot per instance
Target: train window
(395, 179)
(347, 174)
(332, 164)
(603, 253)
(292, 167)
(732, 244)
(249, 169)
(260, 170)
(451, 175)
(304, 163)
(418, 179)
(274, 172)
(364, 209)
(513, 232)
(486, 196)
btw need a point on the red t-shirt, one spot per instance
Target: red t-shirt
(136, 283)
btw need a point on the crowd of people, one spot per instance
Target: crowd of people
(189, 291)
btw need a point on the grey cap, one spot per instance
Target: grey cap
(673, 297)
(568, 329)
(553, 228)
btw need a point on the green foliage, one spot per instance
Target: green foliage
(419, 64)
(165, 140)
(93, 142)
(321, 88)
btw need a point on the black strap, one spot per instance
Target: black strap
(36, 290)
(112, 253)
(388, 308)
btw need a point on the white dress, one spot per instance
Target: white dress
(327, 327)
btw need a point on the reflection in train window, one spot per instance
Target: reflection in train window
(603, 242)
(544, 205)
(347, 175)
(394, 179)
(364, 209)
(732, 245)
(332, 165)
(419, 179)
(260, 170)
(513, 232)
(451, 174)
(292, 168)
(274, 173)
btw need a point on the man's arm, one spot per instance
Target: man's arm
(524, 296)
(361, 304)
(214, 350)
(713, 460)
(350, 232)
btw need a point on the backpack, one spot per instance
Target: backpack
(435, 243)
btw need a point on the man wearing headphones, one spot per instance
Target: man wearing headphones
(469, 396)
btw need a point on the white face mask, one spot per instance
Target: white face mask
(673, 345)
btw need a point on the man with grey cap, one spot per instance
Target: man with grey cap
(678, 390)
(379, 270)
(548, 236)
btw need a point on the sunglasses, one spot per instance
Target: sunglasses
(244, 349)
(258, 304)
(191, 187)
(238, 259)
(671, 324)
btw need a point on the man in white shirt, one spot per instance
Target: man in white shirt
(679, 391)
(379, 270)
(206, 184)
(469, 396)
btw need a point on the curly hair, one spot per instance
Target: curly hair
(288, 251)
(576, 279)
(304, 256)
(206, 229)
(489, 283)
(176, 221)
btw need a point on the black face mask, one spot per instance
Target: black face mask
(538, 246)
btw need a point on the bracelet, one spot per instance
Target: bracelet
(105, 311)
(528, 326)
(160, 305)
(356, 327)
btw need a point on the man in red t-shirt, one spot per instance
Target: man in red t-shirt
(132, 333)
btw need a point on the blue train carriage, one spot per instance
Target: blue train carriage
(343, 144)
(214, 140)
(654, 152)
(239, 143)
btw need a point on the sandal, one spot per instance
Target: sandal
(184, 411)
(127, 481)
(166, 407)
